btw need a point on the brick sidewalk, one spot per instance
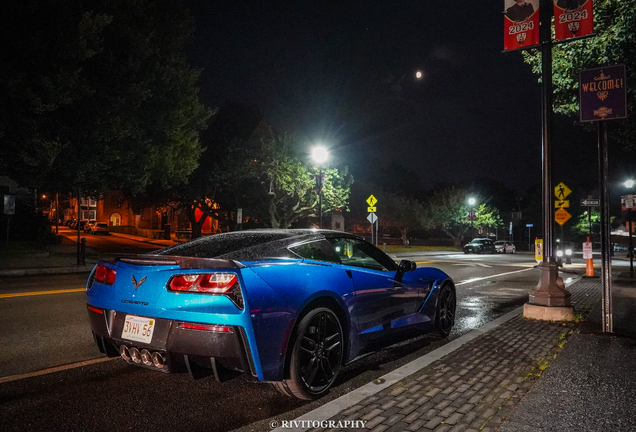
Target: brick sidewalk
(475, 387)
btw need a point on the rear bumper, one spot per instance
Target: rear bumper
(199, 352)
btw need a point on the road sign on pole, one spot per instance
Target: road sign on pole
(562, 216)
(561, 203)
(372, 218)
(561, 191)
(589, 202)
(372, 201)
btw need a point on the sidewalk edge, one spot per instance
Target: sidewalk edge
(330, 409)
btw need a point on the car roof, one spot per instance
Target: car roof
(249, 245)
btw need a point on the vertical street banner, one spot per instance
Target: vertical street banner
(573, 18)
(602, 93)
(521, 24)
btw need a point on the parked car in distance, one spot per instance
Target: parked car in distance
(88, 227)
(479, 246)
(503, 246)
(289, 307)
(100, 228)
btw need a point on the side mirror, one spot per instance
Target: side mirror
(406, 266)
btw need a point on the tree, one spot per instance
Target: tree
(614, 43)
(402, 212)
(273, 182)
(98, 93)
(447, 210)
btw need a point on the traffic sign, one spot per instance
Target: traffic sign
(561, 191)
(562, 204)
(627, 202)
(562, 216)
(538, 249)
(471, 215)
(590, 202)
(372, 200)
(587, 250)
(372, 218)
(372, 209)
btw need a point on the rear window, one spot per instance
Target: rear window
(102, 225)
(228, 245)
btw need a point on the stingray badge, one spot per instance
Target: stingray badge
(137, 284)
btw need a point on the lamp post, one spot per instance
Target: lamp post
(630, 184)
(320, 155)
(473, 217)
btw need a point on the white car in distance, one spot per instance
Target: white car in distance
(503, 246)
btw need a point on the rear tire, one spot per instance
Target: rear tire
(445, 311)
(316, 356)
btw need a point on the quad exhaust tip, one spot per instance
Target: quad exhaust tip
(144, 356)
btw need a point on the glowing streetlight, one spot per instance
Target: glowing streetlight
(629, 184)
(419, 75)
(320, 155)
(471, 201)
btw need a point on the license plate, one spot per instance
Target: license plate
(138, 329)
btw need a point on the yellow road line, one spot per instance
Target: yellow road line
(42, 293)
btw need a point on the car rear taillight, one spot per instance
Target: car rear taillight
(215, 283)
(105, 275)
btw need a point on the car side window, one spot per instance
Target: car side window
(316, 250)
(357, 253)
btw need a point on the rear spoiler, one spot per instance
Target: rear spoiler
(182, 262)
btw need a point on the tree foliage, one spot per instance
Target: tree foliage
(274, 181)
(614, 43)
(403, 212)
(447, 210)
(98, 93)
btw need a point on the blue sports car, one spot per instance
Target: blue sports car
(290, 307)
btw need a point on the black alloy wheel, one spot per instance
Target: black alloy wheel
(445, 314)
(316, 356)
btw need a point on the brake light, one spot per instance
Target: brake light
(215, 283)
(105, 275)
(183, 283)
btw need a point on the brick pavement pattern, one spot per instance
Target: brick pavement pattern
(475, 387)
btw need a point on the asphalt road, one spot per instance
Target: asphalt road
(41, 331)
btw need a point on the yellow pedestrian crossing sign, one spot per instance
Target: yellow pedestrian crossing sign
(372, 201)
(561, 191)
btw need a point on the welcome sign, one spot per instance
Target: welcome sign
(602, 93)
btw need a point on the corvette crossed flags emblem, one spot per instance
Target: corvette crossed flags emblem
(137, 284)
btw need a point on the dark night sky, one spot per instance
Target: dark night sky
(342, 73)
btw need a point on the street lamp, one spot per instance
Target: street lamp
(320, 155)
(630, 184)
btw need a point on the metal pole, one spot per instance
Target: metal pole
(606, 260)
(550, 291)
(320, 199)
(545, 10)
(631, 248)
(589, 220)
(79, 211)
